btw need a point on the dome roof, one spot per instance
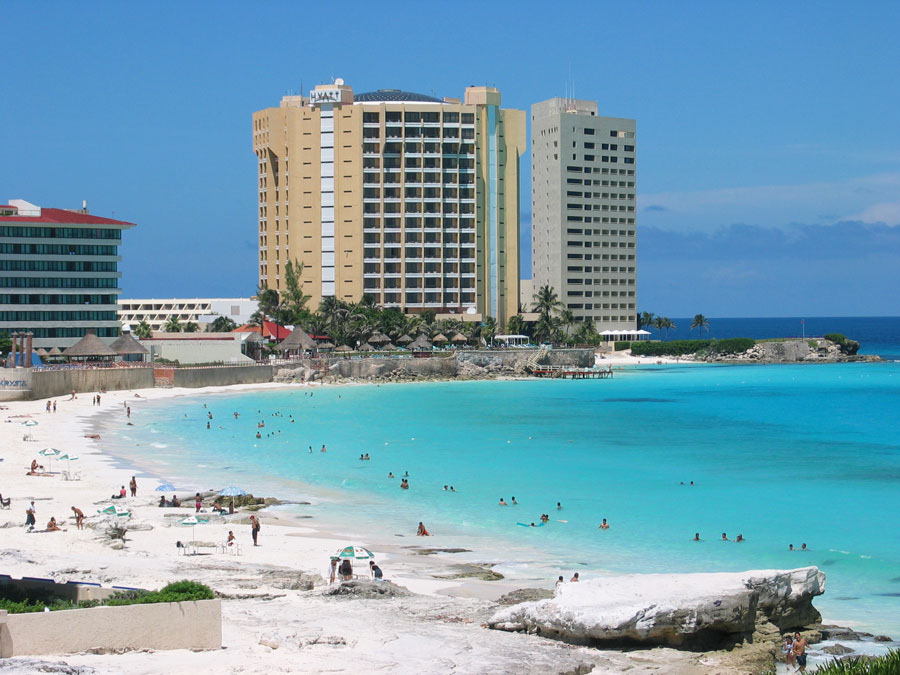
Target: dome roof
(394, 95)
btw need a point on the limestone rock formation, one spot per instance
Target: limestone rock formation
(694, 611)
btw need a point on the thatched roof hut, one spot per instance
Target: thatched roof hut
(404, 339)
(440, 337)
(344, 348)
(459, 338)
(126, 345)
(297, 341)
(421, 343)
(41, 352)
(366, 347)
(378, 338)
(387, 347)
(90, 348)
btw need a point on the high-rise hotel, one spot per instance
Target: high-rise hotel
(409, 198)
(583, 210)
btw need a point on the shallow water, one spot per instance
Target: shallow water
(781, 454)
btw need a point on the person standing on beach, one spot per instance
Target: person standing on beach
(30, 517)
(54, 406)
(133, 486)
(198, 502)
(332, 571)
(799, 651)
(254, 529)
(79, 517)
(128, 411)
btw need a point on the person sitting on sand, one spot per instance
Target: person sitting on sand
(217, 507)
(79, 517)
(502, 502)
(604, 525)
(175, 501)
(162, 501)
(36, 468)
(346, 570)
(422, 532)
(52, 526)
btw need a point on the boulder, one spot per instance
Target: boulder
(524, 595)
(837, 650)
(366, 589)
(693, 611)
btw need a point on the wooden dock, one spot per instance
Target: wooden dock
(569, 373)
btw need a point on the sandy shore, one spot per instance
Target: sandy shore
(269, 624)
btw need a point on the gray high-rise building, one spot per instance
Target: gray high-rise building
(583, 211)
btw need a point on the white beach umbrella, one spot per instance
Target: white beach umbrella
(49, 453)
(358, 553)
(30, 423)
(192, 521)
(69, 458)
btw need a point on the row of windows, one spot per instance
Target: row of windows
(447, 179)
(49, 282)
(607, 146)
(574, 168)
(415, 133)
(610, 159)
(601, 195)
(605, 256)
(598, 282)
(604, 183)
(599, 244)
(59, 316)
(60, 232)
(607, 233)
(61, 299)
(394, 116)
(415, 222)
(574, 206)
(56, 266)
(417, 163)
(72, 332)
(592, 294)
(57, 249)
(416, 268)
(578, 268)
(418, 193)
(588, 219)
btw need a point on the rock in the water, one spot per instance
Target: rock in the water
(524, 595)
(837, 650)
(696, 611)
(883, 638)
(366, 589)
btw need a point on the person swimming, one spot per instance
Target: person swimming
(725, 537)
(696, 536)
(604, 525)
(740, 537)
(514, 501)
(558, 506)
(390, 474)
(502, 502)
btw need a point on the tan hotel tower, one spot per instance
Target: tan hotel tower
(409, 198)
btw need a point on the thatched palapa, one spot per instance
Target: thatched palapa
(421, 343)
(297, 341)
(126, 345)
(90, 347)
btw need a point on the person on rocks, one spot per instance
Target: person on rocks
(377, 574)
(799, 651)
(346, 570)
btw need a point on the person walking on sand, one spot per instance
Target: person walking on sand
(254, 529)
(133, 486)
(332, 570)
(79, 517)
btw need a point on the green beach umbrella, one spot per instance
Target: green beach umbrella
(192, 521)
(30, 423)
(49, 453)
(358, 553)
(115, 510)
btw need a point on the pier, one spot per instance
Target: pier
(569, 373)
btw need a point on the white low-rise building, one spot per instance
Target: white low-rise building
(202, 311)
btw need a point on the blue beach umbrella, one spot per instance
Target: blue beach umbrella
(232, 491)
(165, 487)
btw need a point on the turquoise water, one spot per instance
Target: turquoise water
(781, 454)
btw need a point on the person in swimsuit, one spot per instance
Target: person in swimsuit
(502, 502)
(422, 532)
(799, 651)
(574, 578)
(79, 517)
(740, 537)
(604, 525)
(52, 526)
(725, 537)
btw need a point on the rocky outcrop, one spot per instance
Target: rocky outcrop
(813, 350)
(690, 611)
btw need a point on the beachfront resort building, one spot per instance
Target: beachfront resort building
(409, 198)
(202, 311)
(59, 275)
(584, 241)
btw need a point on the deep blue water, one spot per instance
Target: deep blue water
(876, 335)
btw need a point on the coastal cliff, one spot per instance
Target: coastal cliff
(816, 350)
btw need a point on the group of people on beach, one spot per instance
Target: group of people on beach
(794, 650)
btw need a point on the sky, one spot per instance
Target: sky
(768, 143)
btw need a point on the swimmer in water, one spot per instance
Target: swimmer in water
(803, 547)
(696, 536)
(740, 537)
(404, 484)
(604, 525)
(323, 448)
(725, 537)
(452, 489)
(258, 435)
(514, 501)
(390, 474)
(502, 502)
(558, 506)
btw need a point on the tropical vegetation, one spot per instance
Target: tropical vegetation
(682, 347)
(889, 664)
(700, 322)
(143, 330)
(16, 601)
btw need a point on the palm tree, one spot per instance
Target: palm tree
(546, 301)
(659, 323)
(222, 324)
(257, 318)
(645, 319)
(516, 325)
(173, 325)
(700, 322)
(191, 327)
(143, 330)
(566, 320)
(667, 324)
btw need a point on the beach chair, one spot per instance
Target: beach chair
(4, 503)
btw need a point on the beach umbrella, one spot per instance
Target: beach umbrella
(344, 348)
(232, 491)
(355, 553)
(192, 521)
(30, 423)
(115, 510)
(366, 347)
(49, 453)
(165, 487)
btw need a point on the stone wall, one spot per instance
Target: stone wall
(15, 384)
(49, 383)
(221, 376)
(169, 625)
(514, 360)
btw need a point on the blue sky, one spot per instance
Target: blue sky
(768, 135)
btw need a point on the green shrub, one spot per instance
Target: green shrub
(889, 664)
(15, 601)
(700, 347)
(732, 345)
(622, 344)
(837, 338)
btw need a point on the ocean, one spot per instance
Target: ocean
(786, 454)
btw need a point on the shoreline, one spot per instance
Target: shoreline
(300, 543)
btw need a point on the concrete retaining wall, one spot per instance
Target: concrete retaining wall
(170, 625)
(49, 383)
(218, 377)
(15, 384)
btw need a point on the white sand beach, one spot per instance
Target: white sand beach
(270, 623)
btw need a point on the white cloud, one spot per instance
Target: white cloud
(869, 198)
